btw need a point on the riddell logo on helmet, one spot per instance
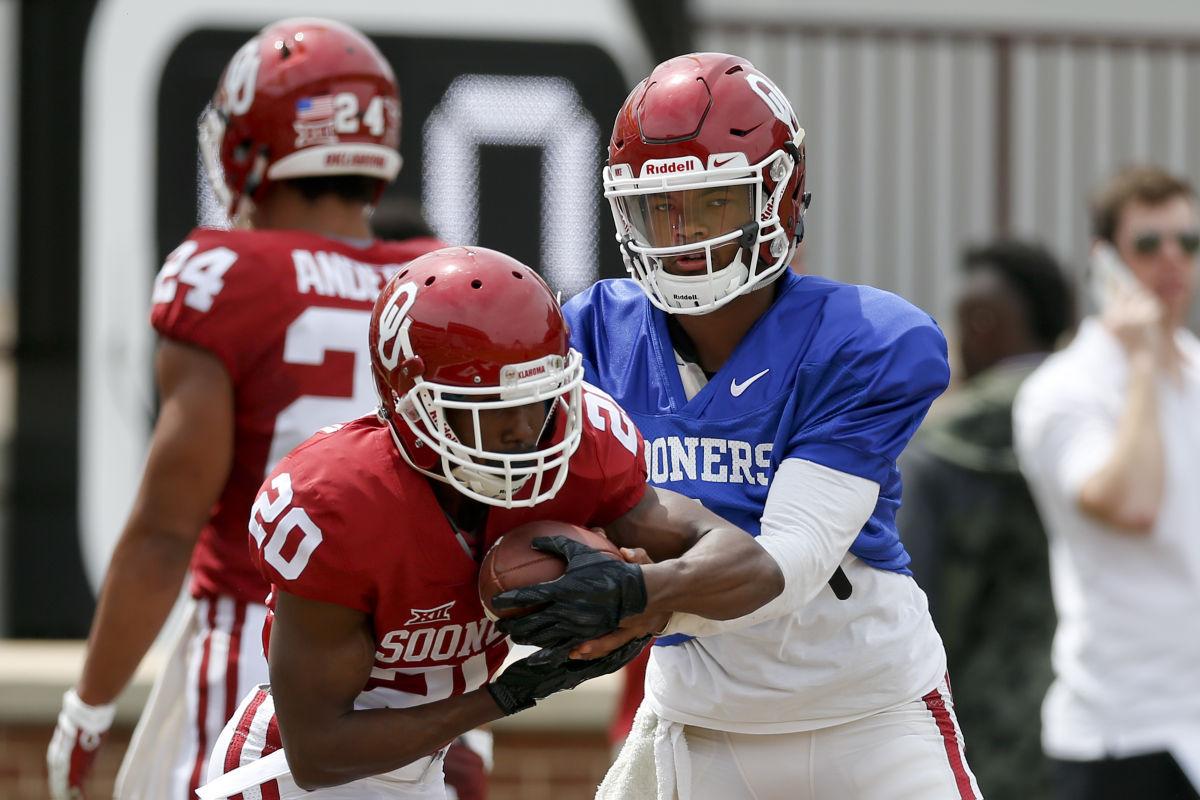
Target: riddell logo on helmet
(671, 166)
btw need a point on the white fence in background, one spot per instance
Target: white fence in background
(923, 140)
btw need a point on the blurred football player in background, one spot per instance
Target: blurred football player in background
(372, 534)
(1108, 435)
(977, 543)
(780, 402)
(263, 342)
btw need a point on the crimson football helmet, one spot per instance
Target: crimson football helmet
(705, 177)
(470, 328)
(304, 97)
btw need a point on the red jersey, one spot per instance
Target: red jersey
(343, 519)
(287, 313)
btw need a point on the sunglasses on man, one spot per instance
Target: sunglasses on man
(1148, 242)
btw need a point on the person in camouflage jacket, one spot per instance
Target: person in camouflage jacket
(967, 519)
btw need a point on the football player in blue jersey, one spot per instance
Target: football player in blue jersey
(781, 402)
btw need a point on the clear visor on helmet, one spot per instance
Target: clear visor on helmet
(688, 218)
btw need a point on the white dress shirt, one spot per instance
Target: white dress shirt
(1126, 652)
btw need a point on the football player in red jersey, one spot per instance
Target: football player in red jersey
(263, 342)
(371, 534)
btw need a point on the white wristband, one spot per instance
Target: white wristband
(92, 719)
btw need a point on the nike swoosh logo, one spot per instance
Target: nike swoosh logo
(717, 164)
(736, 388)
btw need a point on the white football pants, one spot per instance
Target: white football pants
(215, 660)
(913, 752)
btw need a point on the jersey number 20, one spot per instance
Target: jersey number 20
(286, 518)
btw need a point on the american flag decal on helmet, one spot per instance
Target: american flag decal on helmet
(314, 108)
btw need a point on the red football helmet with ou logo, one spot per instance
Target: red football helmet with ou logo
(474, 330)
(705, 177)
(304, 97)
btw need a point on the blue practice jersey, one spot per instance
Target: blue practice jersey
(836, 374)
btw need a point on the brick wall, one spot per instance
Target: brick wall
(23, 762)
(529, 766)
(548, 766)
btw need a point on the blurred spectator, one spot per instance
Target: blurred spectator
(1108, 434)
(968, 521)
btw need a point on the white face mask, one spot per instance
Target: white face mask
(491, 477)
(688, 215)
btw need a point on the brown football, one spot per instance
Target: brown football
(512, 562)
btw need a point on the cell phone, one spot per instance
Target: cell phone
(1109, 277)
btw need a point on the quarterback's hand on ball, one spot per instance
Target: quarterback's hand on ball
(635, 627)
(540, 675)
(636, 555)
(74, 746)
(639, 626)
(590, 599)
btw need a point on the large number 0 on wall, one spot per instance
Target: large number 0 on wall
(516, 111)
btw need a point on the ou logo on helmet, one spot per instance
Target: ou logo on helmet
(391, 324)
(770, 94)
(240, 78)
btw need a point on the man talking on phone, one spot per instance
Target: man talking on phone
(1108, 435)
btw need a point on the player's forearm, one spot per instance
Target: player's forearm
(140, 588)
(1127, 490)
(812, 516)
(726, 575)
(359, 744)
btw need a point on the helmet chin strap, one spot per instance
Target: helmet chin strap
(488, 485)
(689, 291)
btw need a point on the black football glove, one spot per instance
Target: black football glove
(540, 675)
(591, 598)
